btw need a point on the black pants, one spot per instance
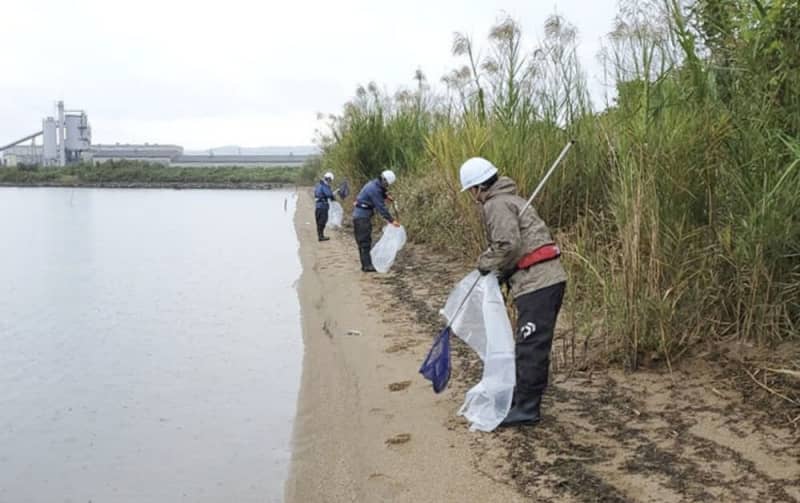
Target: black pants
(362, 228)
(321, 215)
(536, 322)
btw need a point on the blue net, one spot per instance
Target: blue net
(436, 367)
(344, 190)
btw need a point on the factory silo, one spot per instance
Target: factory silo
(49, 142)
(77, 127)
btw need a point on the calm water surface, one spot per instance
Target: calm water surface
(150, 345)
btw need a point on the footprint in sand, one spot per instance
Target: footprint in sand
(399, 386)
(400, 438)
(387, 487)
(378, 411)
(326, 328)
(378, 475)
(394, 348)
(402, 346)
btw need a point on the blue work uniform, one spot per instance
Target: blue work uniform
(369, 200)
(323, 195)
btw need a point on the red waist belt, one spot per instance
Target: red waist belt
(542, 254)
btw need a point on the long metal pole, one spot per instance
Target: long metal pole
(463, 302)
(547, 175)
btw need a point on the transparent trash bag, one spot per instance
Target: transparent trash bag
(484, 325)
(335, 214)
(385, 250)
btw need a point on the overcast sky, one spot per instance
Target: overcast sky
(203, 74)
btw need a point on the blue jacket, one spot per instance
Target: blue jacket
(371, 199)
(323, 193)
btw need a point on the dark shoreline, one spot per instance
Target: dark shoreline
(156, 185)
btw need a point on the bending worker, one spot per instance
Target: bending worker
(521, 251)
(370, 199)
(323, 195)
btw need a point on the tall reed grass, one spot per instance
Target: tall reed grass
(678, 209)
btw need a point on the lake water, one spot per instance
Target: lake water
(150, 345)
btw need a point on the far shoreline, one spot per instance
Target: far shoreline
(156, 185)
(126, 174)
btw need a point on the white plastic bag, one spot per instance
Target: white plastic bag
(483, 324)
(385, 250)
(335, 214)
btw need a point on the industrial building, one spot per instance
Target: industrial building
(67, 138)
(161, 154)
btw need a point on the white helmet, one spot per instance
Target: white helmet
(388, 175)
(475, 171)
(328, 176)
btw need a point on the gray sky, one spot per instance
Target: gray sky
(204, 74)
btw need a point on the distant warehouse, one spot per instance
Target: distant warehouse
(172, 155)
(240, 160)
(162, 154)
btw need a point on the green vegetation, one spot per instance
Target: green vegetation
(678, 208)
(310, 172)
(134, 172)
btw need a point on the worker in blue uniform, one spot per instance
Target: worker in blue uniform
(323, 194)
(371, 199)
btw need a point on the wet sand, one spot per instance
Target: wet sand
(369, 428)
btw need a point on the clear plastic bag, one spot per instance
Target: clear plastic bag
(335, 215)
(484, 325)
(385, 250)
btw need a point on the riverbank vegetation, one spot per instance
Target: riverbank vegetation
(677, 211)
(135, 172)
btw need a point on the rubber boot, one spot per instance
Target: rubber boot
(525, 411)
(366, 260)
(321, 216)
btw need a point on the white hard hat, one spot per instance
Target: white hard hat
(475, 171)
(328, 176)
(388, 175)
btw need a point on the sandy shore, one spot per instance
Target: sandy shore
(370, 429)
